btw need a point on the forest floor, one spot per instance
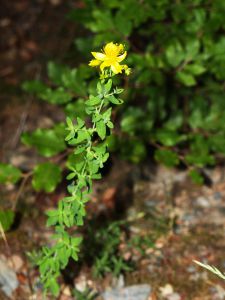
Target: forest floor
(163, 219)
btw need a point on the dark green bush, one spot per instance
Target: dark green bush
(174, 98)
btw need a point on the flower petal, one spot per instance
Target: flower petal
(116, 68)
(121, 48)
(111, 49)
(94, 63)
(122, 56)
(98, 55)
(104, 65)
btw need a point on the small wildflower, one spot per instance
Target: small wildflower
(111, 57)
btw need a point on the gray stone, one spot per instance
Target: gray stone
(120, 282)
(134, 292)
(8, 279)
(217, 196)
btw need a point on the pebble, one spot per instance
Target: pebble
(217, 196)
(202, 202)
(151, 203)
(174, 296)
(66, 291)
(16, 262)
(166, 290)
(120, 282)
(191, 269)
(135, 292)
(81, 284)
(8, 279)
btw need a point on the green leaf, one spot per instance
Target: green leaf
(200, 159)
(110, 124)
(79, 14)
(194, 69)
(199, 154)
(175, 54)
(46, 177)
(100, 88)
(74, 81)
(123, 24)
(196, 177)
(108, 86)
(134, 121)
(53, 217)
(55, 72)
(192, 48)
(93, 101)
(169, 137)
(103, 20)
(34, 86)
(9, 173)
(48, 142)
(101, 129)
(114, 100)
(186, 78)
(76, 109)
(167, 157)
(217, 143)
(133, 150)
(6, 219)
(196, 119)
(82, 135)
(175, 122)
(54, 286)
(57, 96)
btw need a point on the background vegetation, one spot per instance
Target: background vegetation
(174, 106)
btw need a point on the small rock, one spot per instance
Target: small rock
(81, 284)
(16, 263)
(127, 255)
(199, 276)
(174, 296)
(202, 202)
(166, 290)
(151, 268)
(118, 283)
(18, 160)
(66, 291)
(8, 279)
(135, 292)
(217, 196)
(149, 251)
(191, 269)
(151, 203)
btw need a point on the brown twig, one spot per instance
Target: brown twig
(24, 180)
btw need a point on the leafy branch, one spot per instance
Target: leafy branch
(87, 159)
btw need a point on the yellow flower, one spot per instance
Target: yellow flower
(110, 57)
